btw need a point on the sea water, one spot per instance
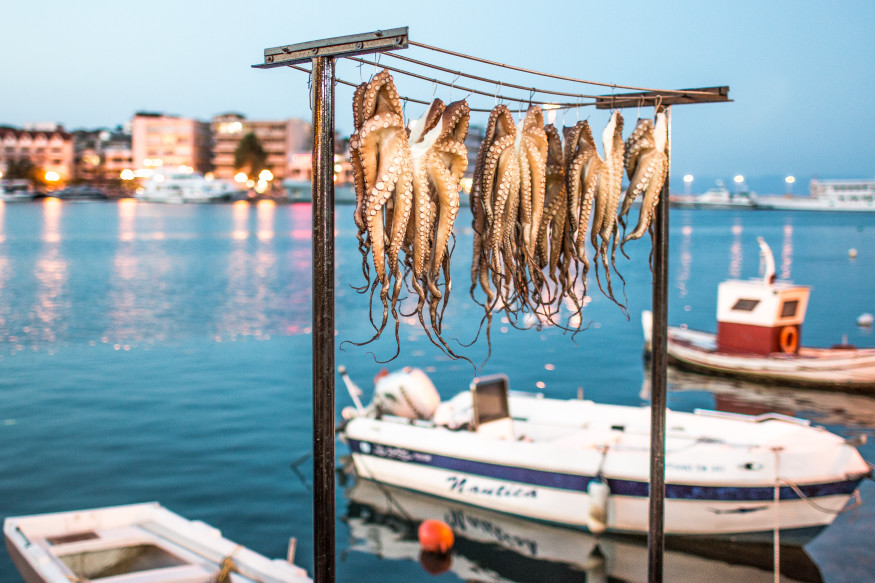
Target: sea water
(163, 352)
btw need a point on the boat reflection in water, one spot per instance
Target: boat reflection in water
(850, 411)
(490, 546)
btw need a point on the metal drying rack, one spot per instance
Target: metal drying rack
(322, 55)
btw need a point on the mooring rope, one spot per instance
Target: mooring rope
(816, 506)
(227, 567)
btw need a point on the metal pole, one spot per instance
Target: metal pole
(658, 364)
(323, 320)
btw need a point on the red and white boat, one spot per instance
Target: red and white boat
(759, 325)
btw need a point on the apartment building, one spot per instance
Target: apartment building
(281, 139)
(159, 140)
(47, 146)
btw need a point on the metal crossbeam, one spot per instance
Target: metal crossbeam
(339, 46)
(651, 98)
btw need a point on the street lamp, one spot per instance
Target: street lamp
(790, 180)
(688, 183)
(739, 182)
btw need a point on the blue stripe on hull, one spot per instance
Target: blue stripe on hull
(579, 483)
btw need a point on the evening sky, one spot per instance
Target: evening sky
(802, 74)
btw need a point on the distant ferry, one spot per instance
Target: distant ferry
(717, 198)
(182, 186)
(826, 195)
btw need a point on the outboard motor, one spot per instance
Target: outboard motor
(406, 393)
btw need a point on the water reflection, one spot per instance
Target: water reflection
(686, 260)
(138, 284)
(490, 546)
(736, 255)
(51, 274)
(5, 275)
(787, 252)
(853, 412)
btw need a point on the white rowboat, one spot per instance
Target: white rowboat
(138, 543)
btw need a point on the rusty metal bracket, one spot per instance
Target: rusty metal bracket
(355, 44)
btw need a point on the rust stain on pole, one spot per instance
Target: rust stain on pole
(323, 320)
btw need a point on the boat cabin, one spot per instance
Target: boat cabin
(754, 317)
(491, 409)
(760, 316)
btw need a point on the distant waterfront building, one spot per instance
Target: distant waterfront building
(159, 140)
(102, 154)
(281, 139)
(47, 146)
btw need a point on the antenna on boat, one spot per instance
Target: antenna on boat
(354, 391)
(767, 262)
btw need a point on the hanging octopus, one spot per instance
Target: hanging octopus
(494, 198)
(607, 199)
(583, 167)
(440, 159)
(647, 166)
(555, 249)
(531, 150)
(384, 185)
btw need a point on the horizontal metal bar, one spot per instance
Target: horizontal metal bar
(354, 44)
(649, 98)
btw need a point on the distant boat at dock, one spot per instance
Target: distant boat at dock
(826, 195)
(717, 198)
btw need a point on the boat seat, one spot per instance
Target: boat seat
(491, 410)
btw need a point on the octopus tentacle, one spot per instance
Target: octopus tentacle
(359, 182)
(649, 176)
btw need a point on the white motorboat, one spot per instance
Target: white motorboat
(490, 546)
(759, 326)
(185, 186)
(16, 190)
(826, 195)
(582, 464)
(137, 543)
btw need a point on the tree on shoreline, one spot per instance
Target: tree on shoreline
(250, 156)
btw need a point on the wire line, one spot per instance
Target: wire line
(492, 81)
(479, 92)
(550, 75)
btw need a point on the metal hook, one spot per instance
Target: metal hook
(531, 96)
(497, 91)
(453, 86)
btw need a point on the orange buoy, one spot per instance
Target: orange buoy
(789, 340)
(435, 536)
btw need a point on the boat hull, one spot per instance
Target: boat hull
(846, 369)
(550, 482)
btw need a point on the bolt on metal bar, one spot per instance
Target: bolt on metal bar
(658, 365)
(323, 320)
